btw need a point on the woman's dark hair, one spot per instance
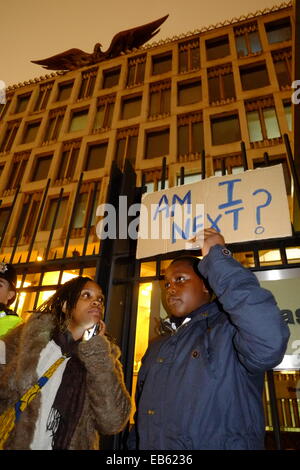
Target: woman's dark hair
(61, 304)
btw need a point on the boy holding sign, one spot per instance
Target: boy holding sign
(200, 385)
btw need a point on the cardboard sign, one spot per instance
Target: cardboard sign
(249, 206)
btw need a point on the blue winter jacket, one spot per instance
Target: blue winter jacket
(201, 386)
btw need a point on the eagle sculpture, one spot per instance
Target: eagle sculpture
(124, 41)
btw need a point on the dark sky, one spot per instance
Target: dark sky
(36, 29)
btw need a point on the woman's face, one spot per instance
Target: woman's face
(88, 310)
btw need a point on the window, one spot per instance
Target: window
(54, 124)
(104, 113)
(189, 92)
(126, 146)
(228, 165)
(1, 169)
(88, 79)
(4, 216)
(157, 143)
(225, 129)
(136, 70)
(161, 63)
(160, 98)
(279, 30)
(254, 76)
(111, 77)
(41, 168)
(84, 205)
(78, 120)
(43, 98)
(96, 155)
(189, 178)
(51, 211)
(153, 180)
(190, 137)
(262, 120)
(9, 136)
(68, 160)
(247, 39)
(22, 102)
(217, 48)
(64, 91)
(30, 132)
(131, 106)
(189, 56)
(29, 212)
(4, 105)
(17, 170)
(288, 114)
(220, 84)
(276, 160)
(283, 67)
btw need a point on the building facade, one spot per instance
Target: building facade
(202, 101)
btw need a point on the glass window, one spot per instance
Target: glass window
(78, 120)
(161, 63)
(288, 114)
(247, 39)
(190, 135)
(96, 155)
(157, 143)
(43, 98)
(42, 166)
(111, 77)
(54, 124)
(254, 126)
(225, 129)
(189, 92)
(279, 30)
(217, 48)
(104, 113)
(87, 83)
(160, 98)
(22, 102)
(31, 131)
(189, 56)
(4, 215)
(220, 83)
(51, 211)
(255, 76)
(131, 107)
(64, 91)
(271, 123)
(136, 70)
(192, 178)
(68, 161)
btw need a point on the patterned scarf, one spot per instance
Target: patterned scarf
(68, 403)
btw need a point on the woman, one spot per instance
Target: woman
(86, 394)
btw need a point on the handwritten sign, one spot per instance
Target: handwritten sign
(249, 206)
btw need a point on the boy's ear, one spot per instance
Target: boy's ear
(64, 307)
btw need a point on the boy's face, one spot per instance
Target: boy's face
(184, 291)
(6, 293)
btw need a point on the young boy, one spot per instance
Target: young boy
(8, 279)
(200, 385)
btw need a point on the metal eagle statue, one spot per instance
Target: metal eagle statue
(129, 39)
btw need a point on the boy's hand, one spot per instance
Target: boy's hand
(206, 239)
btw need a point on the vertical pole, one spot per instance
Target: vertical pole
(163, 173)
(244, 156)
(181, 175)
(203, 165)
(274, 410)
(292, 167)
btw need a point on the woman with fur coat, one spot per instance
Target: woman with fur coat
(84, 397)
